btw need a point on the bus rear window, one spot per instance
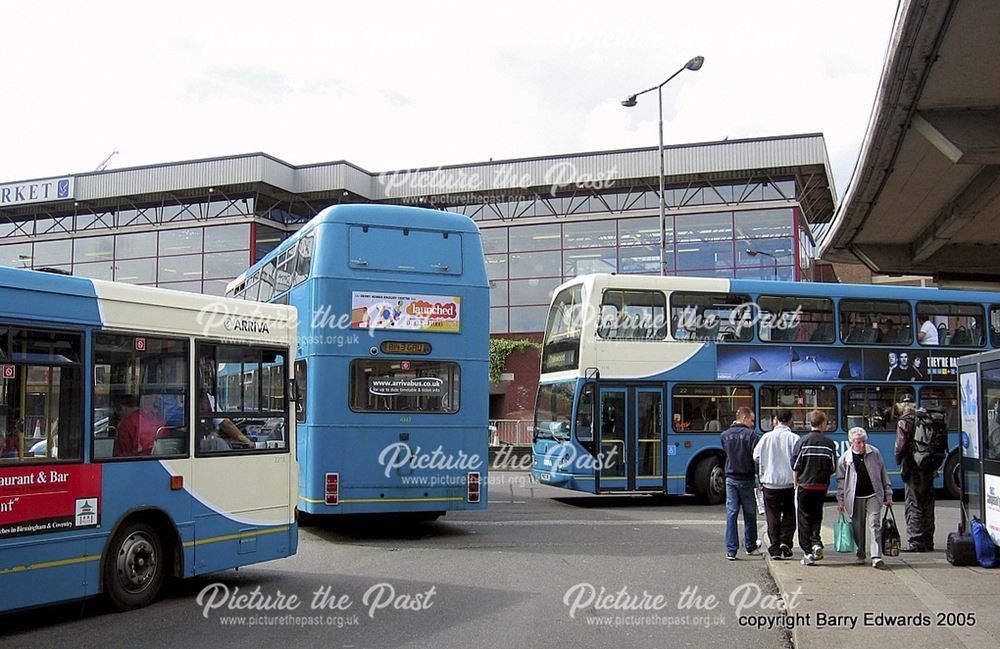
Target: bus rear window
(396, 385)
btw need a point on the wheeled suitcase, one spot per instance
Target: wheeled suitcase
(961, 550)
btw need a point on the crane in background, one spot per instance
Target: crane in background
(104, 163)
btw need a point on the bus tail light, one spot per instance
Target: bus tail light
(473, 483)
(332, 488)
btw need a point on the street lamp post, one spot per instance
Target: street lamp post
(694, 65)
(753, 253)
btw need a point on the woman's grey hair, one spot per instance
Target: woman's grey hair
(906, 408)
(857, 433)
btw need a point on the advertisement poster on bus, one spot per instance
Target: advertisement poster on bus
(815, 363)
(992, 485)
(441, 313)
(38, 500)
(969, 386)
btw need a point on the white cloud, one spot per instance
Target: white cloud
(398, 85)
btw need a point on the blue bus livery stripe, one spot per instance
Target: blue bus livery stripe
(48, 297)
(51, 564)
(239, 536)
(384, 500)
(187, 544)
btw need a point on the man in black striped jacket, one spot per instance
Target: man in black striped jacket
(813, 462)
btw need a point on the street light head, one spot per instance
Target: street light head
(695, 64)
(629, 101)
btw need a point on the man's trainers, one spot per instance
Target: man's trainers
(731, 557)
(878, 564)
(755, 550)
(808, 560)
(817, 552)
(786, 551)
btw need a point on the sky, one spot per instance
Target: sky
(392, 85)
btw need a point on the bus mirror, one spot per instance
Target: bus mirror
(293, 390)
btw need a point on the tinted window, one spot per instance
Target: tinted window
(404, 386)
(711, 316)
(801, 400)
(875, 322)
(796, 319)
(959, 325)
(632, 315)
(708, 409)
(874, 407)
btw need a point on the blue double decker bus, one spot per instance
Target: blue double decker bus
(639, 375)
(392, 358)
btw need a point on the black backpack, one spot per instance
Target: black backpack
(930, 439)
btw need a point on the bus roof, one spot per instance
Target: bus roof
(56, 298)
(771, 287)
(399, 216)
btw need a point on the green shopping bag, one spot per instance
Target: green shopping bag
(843, 535)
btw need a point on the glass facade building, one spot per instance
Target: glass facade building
(194, 226)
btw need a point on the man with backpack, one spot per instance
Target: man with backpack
(921, 443)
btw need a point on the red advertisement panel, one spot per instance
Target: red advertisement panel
(53, 498)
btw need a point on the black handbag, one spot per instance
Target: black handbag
(890, 534)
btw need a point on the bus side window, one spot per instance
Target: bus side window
(41, 396)
(585, 419)
(302, 383)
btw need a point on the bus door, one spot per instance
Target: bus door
(649, 441)
(613, 459)
(631, 438)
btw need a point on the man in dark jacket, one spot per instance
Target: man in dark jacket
(738, 442)
(813, 462)
(918, 483)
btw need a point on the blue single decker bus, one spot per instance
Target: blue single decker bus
(392, 358)
(145, 434)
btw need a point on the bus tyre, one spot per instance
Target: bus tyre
(952, 476)
(710, 481)
(134, 566)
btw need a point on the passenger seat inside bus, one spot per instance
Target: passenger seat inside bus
(961, 336)
(822, 333)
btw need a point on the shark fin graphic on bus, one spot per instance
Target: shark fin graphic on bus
(795, 356)
(845, 371)
(753, 367)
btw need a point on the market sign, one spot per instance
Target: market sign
(36, 191)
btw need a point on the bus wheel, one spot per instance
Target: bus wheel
(134, 567)
(952, 476)
(710, 481)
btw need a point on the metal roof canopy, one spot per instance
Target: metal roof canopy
(925, 195)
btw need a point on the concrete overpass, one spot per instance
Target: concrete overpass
(925, 195)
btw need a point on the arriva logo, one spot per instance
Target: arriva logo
(246, 326)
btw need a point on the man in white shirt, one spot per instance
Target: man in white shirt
(928, 334)
(773, 456)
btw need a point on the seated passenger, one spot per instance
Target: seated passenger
(137, 429)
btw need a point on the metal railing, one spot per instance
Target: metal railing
(510, 431)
